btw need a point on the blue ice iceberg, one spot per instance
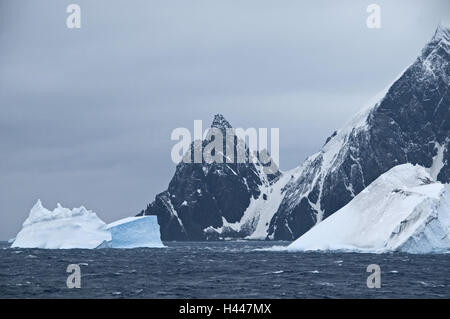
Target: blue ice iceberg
(134, 232)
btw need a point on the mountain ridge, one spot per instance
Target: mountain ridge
(408, 122)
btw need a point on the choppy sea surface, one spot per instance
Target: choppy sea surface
(231, 269)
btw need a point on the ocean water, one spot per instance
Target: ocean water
(231, 269)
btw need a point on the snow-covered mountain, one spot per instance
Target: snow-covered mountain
(408, 123)
(211, 200)
(402, 210)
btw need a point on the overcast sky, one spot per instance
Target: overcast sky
(86, 115)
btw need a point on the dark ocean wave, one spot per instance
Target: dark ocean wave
(219, 270)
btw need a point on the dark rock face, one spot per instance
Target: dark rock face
(411, 123)
(204, 195)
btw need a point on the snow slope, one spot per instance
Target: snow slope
(61, 228)
(133, 232)
(406, 123)
(402, 210)
(255, 222)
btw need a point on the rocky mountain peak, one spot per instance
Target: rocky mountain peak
(442, 32)
(220, 122)
(439, 44)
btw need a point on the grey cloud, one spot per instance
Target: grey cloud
(86, 115)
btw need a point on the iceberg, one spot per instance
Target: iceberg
(134, 232)
(403, 210)
(61, 228)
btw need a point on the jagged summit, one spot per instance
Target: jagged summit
(434, 62)
(439, 43)
(205, 197)
(220, 122)
(442, 31)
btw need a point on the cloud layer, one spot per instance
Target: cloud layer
(86, 115)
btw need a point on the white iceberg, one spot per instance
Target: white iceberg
(402, 210)
(61, 228)
(134, 232)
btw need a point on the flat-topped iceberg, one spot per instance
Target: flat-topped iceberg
(64, 228)
(402, 210)
(134, 232)
(61, 228)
